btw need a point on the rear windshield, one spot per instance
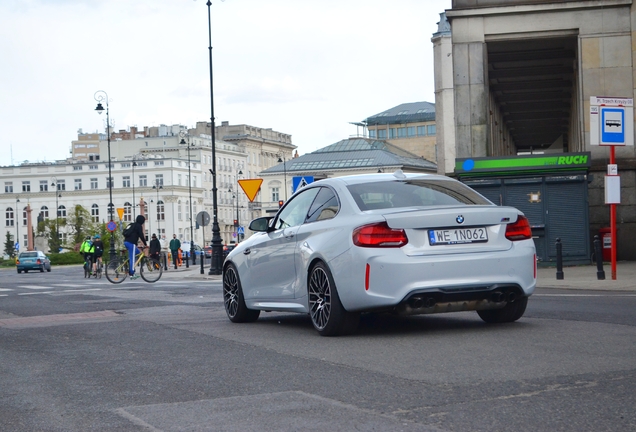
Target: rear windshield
(28, 255)
(413, 193)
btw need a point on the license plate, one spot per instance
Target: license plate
(457, 236)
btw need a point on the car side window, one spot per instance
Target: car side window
(296, 210)
(324, 207)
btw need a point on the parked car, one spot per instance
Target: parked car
(401, 243)
(185, 247)
(33, 260)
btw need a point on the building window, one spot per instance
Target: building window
(159, 180)
(161, 212)
(178, 179)
(61, 185)
(275, 194)
(93, 183)
(78, 168)
(194, 181)
(421, 130)
(95, 213)
(92, 167)
(179, 217)
(125, 165)
(410, 131)
(78, 184)
(381, 133)
(44, 185)
(372, 133)
(127, 212)
(8, 187)
(159, 163)
(401, 132)
(187, 209)
(109, 181)
(126, 181)
(24, 216)
(143, 180)
(61, 212)
(26, 186)
(44, 211)
(9, 221)
(430, 129)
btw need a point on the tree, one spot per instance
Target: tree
(50, 227)
(80, 224)
(9, 245)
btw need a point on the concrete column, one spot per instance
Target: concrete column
(444, 97)
(470, 69)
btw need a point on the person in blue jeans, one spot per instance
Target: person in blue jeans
(131, 239)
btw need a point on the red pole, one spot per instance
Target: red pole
(613, 219)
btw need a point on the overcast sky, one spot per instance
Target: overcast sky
(302, 67)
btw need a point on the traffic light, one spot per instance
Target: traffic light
(235, 222)
(280, 203)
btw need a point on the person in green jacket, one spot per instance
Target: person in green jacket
(175, 245)
(87, 249)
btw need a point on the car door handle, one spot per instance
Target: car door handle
(291, 236)
(246, 251)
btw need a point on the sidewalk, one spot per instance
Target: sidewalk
(577, 277)
(584, 277)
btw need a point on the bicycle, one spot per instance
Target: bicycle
(150, 269)
(88, 267)
(98, 268)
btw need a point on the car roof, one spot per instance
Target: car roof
(366, 178)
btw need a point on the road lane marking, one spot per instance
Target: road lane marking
(82, 290)
(34, 293)
(6, 289)
(34, 287)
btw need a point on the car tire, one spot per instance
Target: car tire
(19, 271)
(511, 312)
(233, 298)
(48, 269)
(327, 314)
(26, 271)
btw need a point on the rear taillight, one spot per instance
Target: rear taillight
(379, 235)
(39, 262)
(519, 230)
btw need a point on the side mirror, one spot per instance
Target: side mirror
(260, 224)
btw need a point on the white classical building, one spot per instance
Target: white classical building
(170, 175)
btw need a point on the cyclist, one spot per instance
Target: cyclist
(87, 249)
(98, 251)
(135, 234)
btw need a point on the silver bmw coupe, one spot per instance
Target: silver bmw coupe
(400, 243)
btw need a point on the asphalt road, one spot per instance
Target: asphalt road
(80, 355)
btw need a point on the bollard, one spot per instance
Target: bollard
(187, 259)
(598, 254)
(202, 259)
(559, 258)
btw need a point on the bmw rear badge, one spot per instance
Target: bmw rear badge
(460, 219)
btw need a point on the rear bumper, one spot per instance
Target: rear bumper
(393, 279)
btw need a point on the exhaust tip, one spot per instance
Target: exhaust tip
(416, 302)
(430, 302)
(497, 297)
(511, 296)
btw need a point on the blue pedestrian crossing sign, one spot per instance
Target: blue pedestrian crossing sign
(300, 182)
(240, 230)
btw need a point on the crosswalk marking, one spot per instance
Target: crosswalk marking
(35, 293)
(6, 289)
(34, 287)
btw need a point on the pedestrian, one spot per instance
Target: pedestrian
(155, 248)
(175, 245)
(132, 235)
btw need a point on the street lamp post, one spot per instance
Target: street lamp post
(284, 174)
(217, 242)
(134, 164)
(17, 226)
(158, 186)
(238, 217)
(182, 134)
(54, 185)
(100, 96)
